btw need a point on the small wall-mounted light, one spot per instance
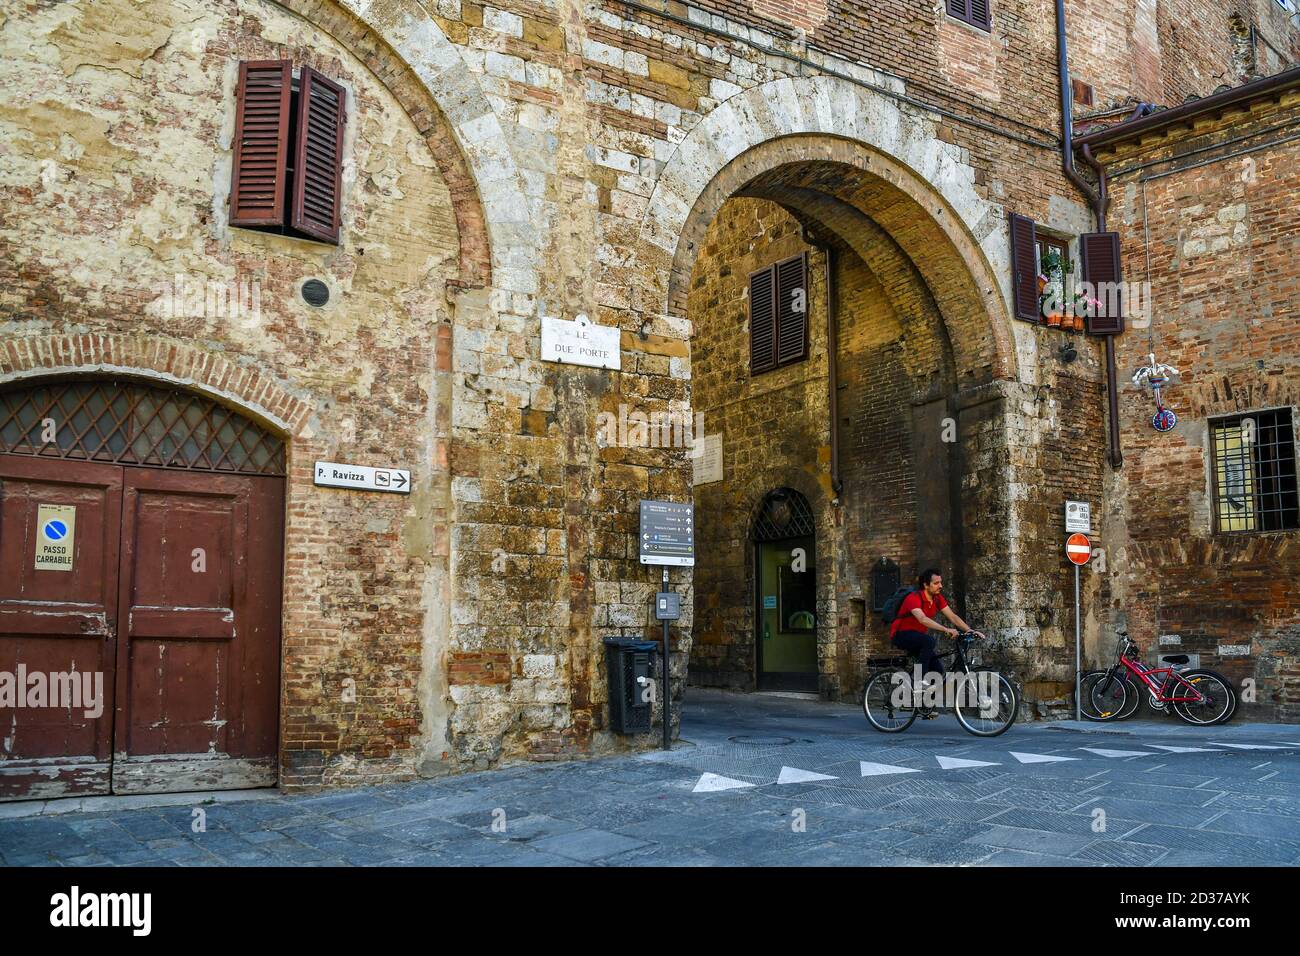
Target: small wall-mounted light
(1067, 353)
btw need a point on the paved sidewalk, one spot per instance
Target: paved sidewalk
(758, 780)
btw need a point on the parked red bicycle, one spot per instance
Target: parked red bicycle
(1196, 696)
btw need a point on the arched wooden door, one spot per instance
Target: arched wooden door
(141, 554)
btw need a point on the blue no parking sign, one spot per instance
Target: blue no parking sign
(55, 544)
(56, 530)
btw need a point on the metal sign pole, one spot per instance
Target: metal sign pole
(1078, 704)
(667, 689)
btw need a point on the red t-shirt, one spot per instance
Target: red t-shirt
(907, 622)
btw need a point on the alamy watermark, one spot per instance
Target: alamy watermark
(633, 428)
(977, 690)
(66, 690)
(192, 297)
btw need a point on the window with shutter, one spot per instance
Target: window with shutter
(975, 12)
(791, 310)
(288, 152)
(1024, 268)
(261, 141)
(1100, 261)
(762, 321)
(318, 159)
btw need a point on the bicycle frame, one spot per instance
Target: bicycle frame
(1146, 676)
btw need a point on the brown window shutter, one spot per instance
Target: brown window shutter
(980, 14)
(1100, 263)
(1024, 268)
(762, 320)
(318, 163)
(791, 325)
(261, 143)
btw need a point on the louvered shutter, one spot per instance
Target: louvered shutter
(979, 14)
(1024, 268)
(1100, 262)
(318, 163)
(261, 143)
(762, 321)
(791, 325)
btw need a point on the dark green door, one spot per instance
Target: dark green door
(787, 615)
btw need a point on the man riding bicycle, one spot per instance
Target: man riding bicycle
(916, 616)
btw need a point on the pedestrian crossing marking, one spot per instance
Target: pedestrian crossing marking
(870, 769)
(795, 775)
(1248, 746)
(712, 782)
(1039, 758)
(1104, 752)
(955, 763)
(1184, 750)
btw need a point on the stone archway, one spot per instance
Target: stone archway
(899, 202)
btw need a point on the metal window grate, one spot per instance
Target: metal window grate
(1254, 472)
(783, 514)
(132, 423)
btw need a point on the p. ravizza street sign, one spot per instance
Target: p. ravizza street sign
(331, 474)
(667, 533)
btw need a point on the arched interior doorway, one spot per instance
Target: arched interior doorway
(141, 559)
(784, 540)
(870, 398)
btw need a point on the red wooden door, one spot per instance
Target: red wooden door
(58, 615)
(199, 617)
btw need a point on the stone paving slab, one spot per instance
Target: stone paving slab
(1220, 807)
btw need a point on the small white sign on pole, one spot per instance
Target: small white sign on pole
(331, 474)
(580, 342)
(1078, 517)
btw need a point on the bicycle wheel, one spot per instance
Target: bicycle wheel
(1134, 699)
(1101, 699)
(1219, 703)
(986, 703)
(887, 701)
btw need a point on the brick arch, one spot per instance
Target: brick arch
(405, 48)
(865, 150)
(253, 392)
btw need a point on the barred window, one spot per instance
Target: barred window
(1253, 472)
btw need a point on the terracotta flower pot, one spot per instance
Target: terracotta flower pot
(1054, 320)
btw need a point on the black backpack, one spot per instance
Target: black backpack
(889, 613)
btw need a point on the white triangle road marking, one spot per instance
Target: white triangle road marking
(870, 769)
(1184, 750)
(712, 782)
(955, 763)
(795, 775)
(1103, 752)
(1248, 746)
(1038, 758)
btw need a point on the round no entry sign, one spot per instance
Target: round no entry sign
(1078, 548)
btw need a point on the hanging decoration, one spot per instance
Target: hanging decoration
(1156, 376)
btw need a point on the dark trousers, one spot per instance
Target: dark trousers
(922, 645)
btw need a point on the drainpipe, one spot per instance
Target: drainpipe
(1097, 199)
(832, 347)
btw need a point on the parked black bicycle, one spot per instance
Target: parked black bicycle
(984, 702)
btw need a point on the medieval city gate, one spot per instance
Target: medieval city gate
(141, 543)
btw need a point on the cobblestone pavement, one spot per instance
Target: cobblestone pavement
(758, 780)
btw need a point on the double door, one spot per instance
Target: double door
(139, 628)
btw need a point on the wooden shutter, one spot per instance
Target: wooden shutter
(974, 12)
(261, 143)
(791, 325)
(318, 160)
(1024, 268)
(762, 320)
(1100, 261)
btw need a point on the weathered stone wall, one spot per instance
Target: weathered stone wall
(117, 119)
(1222, 247)
(515, 160)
